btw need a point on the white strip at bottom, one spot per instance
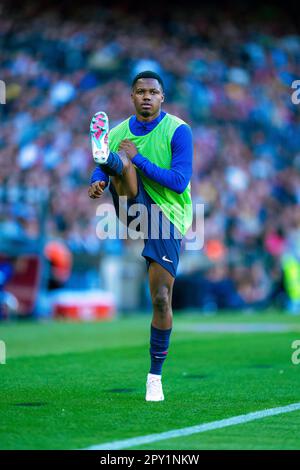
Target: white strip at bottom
(223, 423)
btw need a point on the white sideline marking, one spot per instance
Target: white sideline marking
(238, 328)
(223, 423)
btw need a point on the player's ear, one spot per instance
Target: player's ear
(162, 97)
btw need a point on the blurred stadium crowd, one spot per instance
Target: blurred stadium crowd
(229, 79)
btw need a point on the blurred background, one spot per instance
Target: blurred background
(228, 70)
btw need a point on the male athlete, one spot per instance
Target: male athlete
(148, 159)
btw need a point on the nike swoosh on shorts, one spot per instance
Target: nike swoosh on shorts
(166, 259)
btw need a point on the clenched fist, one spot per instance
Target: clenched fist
(96, 189)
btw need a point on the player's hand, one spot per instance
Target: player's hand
(96, 189)
(129, 148)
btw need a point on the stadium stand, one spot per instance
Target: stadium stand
(230, 80)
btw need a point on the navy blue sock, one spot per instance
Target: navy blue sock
(113, 165)
(159, 343)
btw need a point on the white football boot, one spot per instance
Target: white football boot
(154, 391)
(99, 130)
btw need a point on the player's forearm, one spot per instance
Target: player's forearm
(178, 176)
(96, 175)
(172, 178)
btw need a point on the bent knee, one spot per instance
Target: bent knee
(161, 299)
(127, 164)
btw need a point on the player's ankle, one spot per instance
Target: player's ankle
(114, 165)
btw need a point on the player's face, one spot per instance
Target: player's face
(147, 97)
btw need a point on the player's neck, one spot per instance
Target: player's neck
(148, 118)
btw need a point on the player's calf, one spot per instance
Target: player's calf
(126, 184)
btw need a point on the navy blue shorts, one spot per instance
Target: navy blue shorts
(162, 240)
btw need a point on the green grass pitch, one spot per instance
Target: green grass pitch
(74, 385)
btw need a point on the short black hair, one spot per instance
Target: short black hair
(148, 74)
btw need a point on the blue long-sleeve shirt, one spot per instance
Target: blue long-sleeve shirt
(178, 176)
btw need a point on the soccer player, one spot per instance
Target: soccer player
(148, 159)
